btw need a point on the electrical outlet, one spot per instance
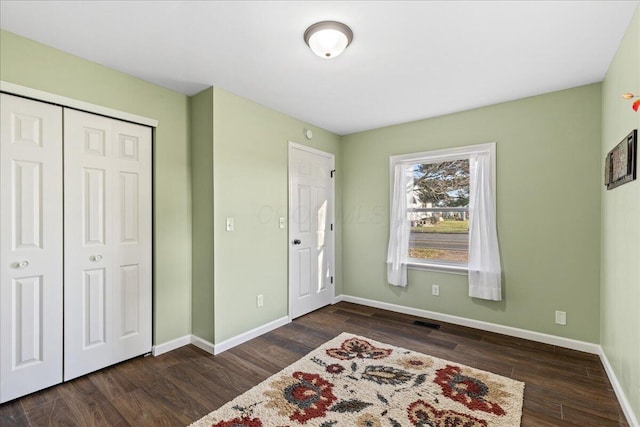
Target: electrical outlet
(259, 300)
(435, 290)
(229, 224)
(561, 317)
(281, 223)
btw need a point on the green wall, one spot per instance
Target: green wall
(32, 64)
(548, 211)
(620, 275)
(201, 115)
(249, 168)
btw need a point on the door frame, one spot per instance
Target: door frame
(63, 101)
(332, 213)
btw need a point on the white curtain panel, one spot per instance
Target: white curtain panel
(398, 251)
(484, 256)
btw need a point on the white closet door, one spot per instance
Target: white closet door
(30, 246)
(107, 202)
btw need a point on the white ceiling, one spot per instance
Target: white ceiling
(409, 59)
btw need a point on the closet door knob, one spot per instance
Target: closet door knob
(297, 241)
(96, 258)
(23, 264)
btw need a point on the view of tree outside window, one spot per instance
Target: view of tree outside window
(439, 212)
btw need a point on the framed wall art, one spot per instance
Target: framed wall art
(620, 163)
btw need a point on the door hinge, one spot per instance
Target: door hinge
(331, 227)
(332, 173)
(331, 279)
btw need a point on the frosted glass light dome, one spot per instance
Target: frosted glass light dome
(328, 39)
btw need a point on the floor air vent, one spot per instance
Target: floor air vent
(426, 324)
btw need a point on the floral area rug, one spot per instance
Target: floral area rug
(354, 381)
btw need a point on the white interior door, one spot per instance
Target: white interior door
(30, 246)
(311, 241)
(107, 253)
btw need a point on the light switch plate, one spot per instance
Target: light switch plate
(229, 224)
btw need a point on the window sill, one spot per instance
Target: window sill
(460, 269)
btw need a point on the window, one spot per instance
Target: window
(438, 213)
(443, 216)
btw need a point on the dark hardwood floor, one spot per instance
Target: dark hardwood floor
(563, 387)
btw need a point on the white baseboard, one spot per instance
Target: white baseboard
(632, 420)
(584, 346)
(166, 347)
(203, 344)
(253, 333)
(209, 347)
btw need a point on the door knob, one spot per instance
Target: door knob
(23, 264)
(96, 258)
(297, 241)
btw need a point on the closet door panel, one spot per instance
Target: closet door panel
(88, 250)
(30, 246)
(132, 240)
(107, 242)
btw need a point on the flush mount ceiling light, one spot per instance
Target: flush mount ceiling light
(328, 39)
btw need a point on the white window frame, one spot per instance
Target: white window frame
(438, 156)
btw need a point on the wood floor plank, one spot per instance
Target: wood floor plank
(535, 404)
(12, 414)
(585, 418)
(195, 385)
(89, 413)
(54, 412)
(294, 345)
(87, 403)
(39, 398)
(14, 421)
(250, 363)
(112, 382)
(597, 372)
(513, 342)
(318, 334)
(141, 409)
(606, 409)
(198, 357)
(563, 387)
(568, 383)
(537, 419)
(266, 355)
